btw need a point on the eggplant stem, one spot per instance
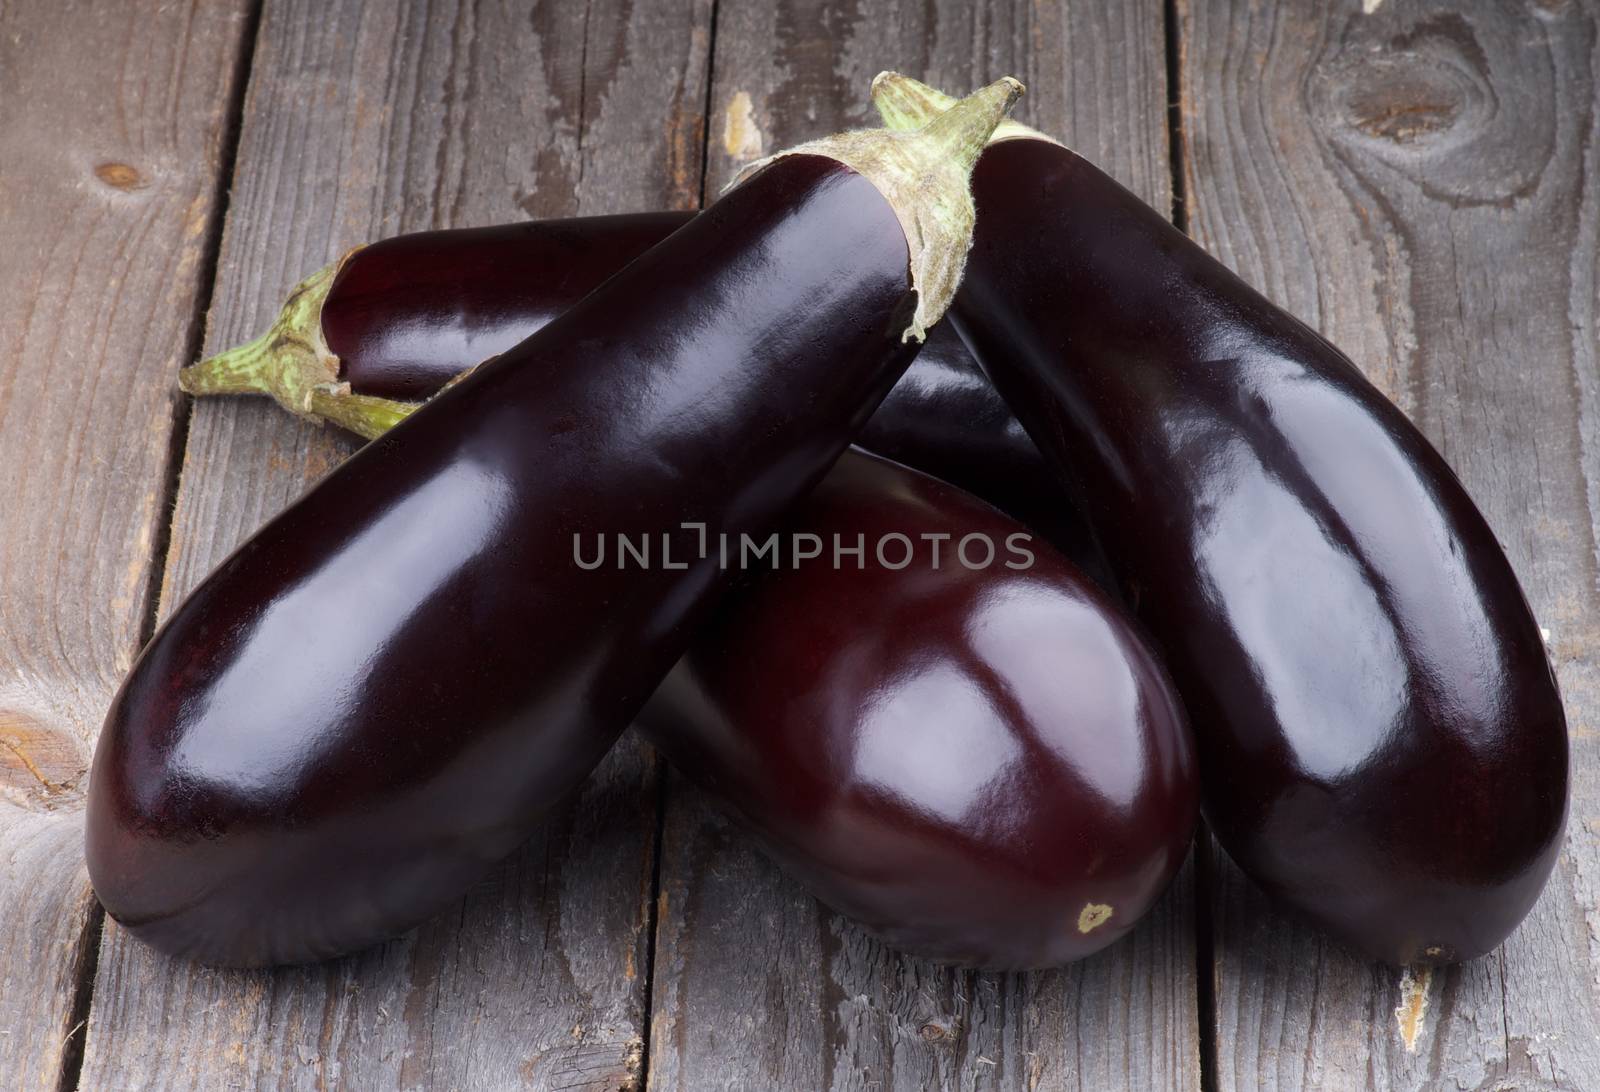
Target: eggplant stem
(366, 415)
(290, 362)
(904, 103)
(924, 175)
(363, 414)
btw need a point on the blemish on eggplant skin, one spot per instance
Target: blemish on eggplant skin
(120, 176)
(741, 136)
(1413, 1007)
(1093, 915)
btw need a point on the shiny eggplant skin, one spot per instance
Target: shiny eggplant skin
(985, 766)
(380, 693)
(1382, 743)
(405, 315)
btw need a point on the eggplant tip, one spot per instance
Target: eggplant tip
(1094, 915)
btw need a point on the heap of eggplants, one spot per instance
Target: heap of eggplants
(984, 766)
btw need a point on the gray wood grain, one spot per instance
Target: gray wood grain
(756, 985)
(108, 179)
(363, 120)
(787, 70)
(1422, 183)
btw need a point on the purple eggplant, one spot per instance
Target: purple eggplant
(954, 736)
(938, 724)
(363, 341)
(1382, 743)
(382, 692)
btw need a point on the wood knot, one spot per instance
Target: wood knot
(1411, 88)
(1402, 99)
(1404, 114)
(934, 1031)
(40, 766)
(1429, 104)
(120, 176)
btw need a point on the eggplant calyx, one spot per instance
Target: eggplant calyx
(905, 103)
(290, 362)
(925, 175)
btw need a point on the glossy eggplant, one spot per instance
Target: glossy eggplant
(384, 328)
(1382, 743)
(383, 691)
(403, 314)
(953, 737)
(959, 741)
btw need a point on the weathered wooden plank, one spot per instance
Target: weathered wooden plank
(1422, 183)
(788, 70)
(756, 985)
(363, 120)
(111, 143)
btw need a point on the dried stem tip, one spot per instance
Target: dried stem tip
(904, 103)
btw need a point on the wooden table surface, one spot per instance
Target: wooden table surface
(1421, 181)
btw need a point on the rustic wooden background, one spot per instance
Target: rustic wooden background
(1419, 180)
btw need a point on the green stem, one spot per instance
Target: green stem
(362, 414)
(289, 362)
(904, 103)
(292, 363)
